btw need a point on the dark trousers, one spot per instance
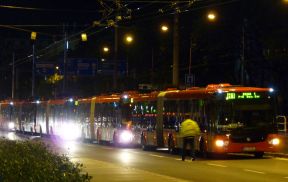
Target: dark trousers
(188, 140)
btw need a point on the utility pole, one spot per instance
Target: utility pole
(152, 66)
(33, 70)
(64, 61)
(115, 71)
(13, 75)
(243, 54)
(175, 79)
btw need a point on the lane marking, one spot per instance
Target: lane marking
(253, 171)
(160, 156)
(217, 165)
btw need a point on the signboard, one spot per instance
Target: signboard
(242, 95)
(81, 67)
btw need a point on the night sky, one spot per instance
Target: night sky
(217, 46)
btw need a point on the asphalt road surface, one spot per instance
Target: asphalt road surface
(107, 163)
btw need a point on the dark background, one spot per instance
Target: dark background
(217, 47)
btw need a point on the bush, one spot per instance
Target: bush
(23, 161)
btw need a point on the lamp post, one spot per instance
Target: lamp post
(13, 76)
(128, 39)
(33, 38)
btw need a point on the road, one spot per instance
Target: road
(107, 163)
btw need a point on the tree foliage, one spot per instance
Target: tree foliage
(32, 161)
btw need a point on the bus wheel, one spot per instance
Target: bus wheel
(258, 154)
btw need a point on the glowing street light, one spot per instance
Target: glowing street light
(164, 28)
(33, 36)
(128, 39)
(211, 16)
(84, 37)
(106, 49)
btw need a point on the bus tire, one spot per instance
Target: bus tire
(258, 155)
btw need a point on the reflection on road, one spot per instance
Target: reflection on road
(125, 156)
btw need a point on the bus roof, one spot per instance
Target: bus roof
(209, 91)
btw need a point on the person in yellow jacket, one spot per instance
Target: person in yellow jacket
(188, 130)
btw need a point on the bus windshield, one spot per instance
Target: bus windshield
(244, 114)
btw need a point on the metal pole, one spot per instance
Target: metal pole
(175, 79)
(152, 65)
(13, 75)
(190, 59)
(33, 70)
(243, 55)
(115, 71)
(64, 62)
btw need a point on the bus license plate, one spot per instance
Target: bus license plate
(249, 149)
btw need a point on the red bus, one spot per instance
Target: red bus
(233, 119)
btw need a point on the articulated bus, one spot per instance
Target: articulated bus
(99, 119)
(232, 119)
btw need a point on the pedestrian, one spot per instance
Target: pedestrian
(189, 129)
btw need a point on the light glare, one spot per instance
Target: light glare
(126, 136)
(164, 28)
(219, 143)
(275, 141)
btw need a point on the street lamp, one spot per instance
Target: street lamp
(33, 38)
(211, 16)
(128, 39)
(106, 49)
(164, 28)
(84, 37)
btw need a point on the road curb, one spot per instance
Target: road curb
(282, 155)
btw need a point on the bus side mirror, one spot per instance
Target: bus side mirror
(281, 122)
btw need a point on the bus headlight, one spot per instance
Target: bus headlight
(274, 141)
(219, 143)
(11, 125)
(125, 136)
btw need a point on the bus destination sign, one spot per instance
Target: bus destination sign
(242, 95)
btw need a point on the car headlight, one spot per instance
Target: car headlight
(125, 136)
(274, 141)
